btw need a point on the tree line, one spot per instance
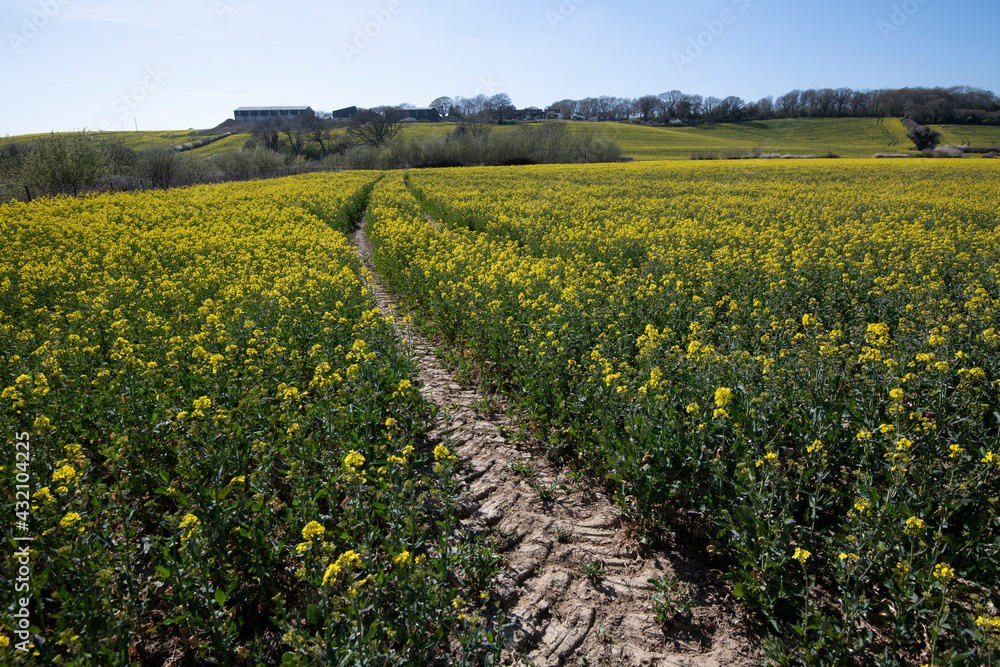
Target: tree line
(959, 104)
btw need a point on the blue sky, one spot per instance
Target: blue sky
(165, 65)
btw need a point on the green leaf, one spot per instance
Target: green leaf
(313, 614)
(220, 597)
(738, 589)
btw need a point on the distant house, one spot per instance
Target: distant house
(553, 113)
(347, 113)
(529, 114)
(260, 114)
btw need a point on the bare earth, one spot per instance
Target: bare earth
(558, 614)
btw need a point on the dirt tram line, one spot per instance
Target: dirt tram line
(575, 587)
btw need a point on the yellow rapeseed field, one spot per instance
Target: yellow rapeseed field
(214, 439)
(793, 362)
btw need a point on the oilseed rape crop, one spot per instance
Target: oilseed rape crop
(795, 363)
(223, 443)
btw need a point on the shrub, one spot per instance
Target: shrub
(923, 137)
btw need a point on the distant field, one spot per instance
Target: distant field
(974, 135)
(848, 137)
(137, 140)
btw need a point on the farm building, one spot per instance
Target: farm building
(421, 113)
(258, 114)
(347, 113)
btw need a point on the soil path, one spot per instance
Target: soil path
(576, 587)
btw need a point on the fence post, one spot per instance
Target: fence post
(27, 192)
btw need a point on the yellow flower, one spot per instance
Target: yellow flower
(70, 520)
(345, 561)
(390, 422)
(801, 555)
(313, 529)
(955, 451)
(44, 495)
(915, 525)
(353, 459)
(988, 623)
(189, 524)
(402, 558)
(896, 394)
(723, 395)
(64, 474)
(441, 452)
(943, 571)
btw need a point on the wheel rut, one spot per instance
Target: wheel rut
(575, 588)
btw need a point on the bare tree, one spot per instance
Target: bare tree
(731, 108)
(473, 105)
(670, 101)
(765, 107)
(788, 104)
(295, 134)
(500, 106)
(268, 134)
(374, 127)
(711, 106)
(318, 131)
(647, 106)
(443, 105)
(588, 107)
(842, 101)
(476, 124)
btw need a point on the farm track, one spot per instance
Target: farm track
(556, 613)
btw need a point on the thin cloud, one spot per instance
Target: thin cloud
(98, 15)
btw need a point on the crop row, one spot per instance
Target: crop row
(795, 363)
(219, 443)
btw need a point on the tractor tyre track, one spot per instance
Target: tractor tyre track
(575, 589)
